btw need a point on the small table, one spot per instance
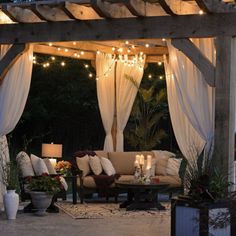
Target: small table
(73, 180)
(141, 196)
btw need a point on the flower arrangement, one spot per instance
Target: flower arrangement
(63, 167)
(45, 183)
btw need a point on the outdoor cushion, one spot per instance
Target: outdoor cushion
(173, 166)
(107, 166)
(51, 169)
(88, 182)
(38, 165)
(83, 164)
(24, 164)
(126, 178)
(123, 162)
(95, 165)
(162, 160)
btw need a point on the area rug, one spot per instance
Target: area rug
(104, 210)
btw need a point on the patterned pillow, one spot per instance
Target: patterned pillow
(38, 165)
(107, 166)
(95, 165)
(24, 164)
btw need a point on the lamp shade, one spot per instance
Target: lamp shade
(52, 150)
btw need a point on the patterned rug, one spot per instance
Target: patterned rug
(103, 210)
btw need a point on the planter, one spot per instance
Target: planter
(11, 204)
(190, 219)
(41, 201)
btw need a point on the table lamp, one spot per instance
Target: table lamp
(52, 151)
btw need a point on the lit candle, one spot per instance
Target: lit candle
(149, 162)
(141, 160)
(53, 162)
(137, 161)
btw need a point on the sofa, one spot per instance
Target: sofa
(165, 164)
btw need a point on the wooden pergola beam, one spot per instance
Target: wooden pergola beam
(194, 54)
(44, 49)
(10, 58)
(117, 29)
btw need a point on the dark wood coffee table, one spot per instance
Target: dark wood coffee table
(141, 196)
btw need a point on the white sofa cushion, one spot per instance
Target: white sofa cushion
(83, 164)
(38, 165)
(162, 158)
(24, 164)
(107, 166)
(95, 165)
(173, 166)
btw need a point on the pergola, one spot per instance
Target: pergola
(105, 25)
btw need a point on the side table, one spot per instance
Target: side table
(73, 181)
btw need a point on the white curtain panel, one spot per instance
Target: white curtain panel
(105, 69)
(126, 92)
(13, 95)
(191, 100)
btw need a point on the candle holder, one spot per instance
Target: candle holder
(141, 170)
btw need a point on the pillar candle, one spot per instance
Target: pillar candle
(149, 162)
(141, 161)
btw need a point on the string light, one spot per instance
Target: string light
(149, 76)
(90, 75)
(74, 43)
(82, 52)
(128, 50)
(126, 42)
(159, 63)
(50, 44)
(201, 12)
(98, 52)
(147, 45)
(66, 50)
(161, 77)
(163, 39)
(63, 63)
(58, 49)
(86, 66)
(113, 49)
(53, 58)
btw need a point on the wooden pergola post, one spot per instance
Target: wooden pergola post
(225, 105)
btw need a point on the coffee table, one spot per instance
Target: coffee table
(141, 196)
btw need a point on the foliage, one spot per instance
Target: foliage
(204, 181)
(45, 183)
(9, 174)
(149, 110)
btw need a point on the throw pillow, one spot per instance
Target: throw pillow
(107, 166)
(162, 158)
(38, 165)
(173, 166)
(83, 164)
(24, 164)
(50, 168)
(95, 164)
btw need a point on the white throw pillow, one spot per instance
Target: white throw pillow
(95, 164)
(24, 164)
(38, 165)
(51, 169)
(173, 166)
(107, 166)
(83, 164)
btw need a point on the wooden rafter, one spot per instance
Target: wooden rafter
(210, 6)
(194, 54)
(118, 29)
(166, 7)
(136, 7)
(97, 7)
(44, 49)
(10, 58)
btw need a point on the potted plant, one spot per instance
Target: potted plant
(205, 207)
(10, 180)
(42, 189)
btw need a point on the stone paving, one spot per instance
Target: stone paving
(60, 224)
